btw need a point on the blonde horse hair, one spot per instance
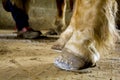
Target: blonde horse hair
(101, 24)
(105, 32)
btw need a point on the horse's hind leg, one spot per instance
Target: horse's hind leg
(66, 34)
(64, 37)
(60, 18)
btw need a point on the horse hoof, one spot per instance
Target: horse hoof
(68, 61)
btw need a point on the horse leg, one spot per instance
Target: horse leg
(90, 35)
(59, 24)
(65, 36)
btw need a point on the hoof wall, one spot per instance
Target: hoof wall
(68, 61)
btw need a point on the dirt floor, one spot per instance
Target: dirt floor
(23, 59)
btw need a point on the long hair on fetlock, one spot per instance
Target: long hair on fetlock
(105, 32)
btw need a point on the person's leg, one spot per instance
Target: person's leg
(22, 24)
(5, 4)
(21, 19)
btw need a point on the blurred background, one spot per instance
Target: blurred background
(42, 15)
